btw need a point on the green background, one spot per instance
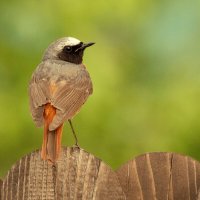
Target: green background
(145, 68)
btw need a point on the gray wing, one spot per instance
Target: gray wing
(72, 87)
(38, 97)
(69, 98)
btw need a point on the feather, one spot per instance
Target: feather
(64, 85)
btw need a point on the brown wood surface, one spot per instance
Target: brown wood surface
(198, 198)
(1, 183)
(160, 176)
(80, 175)
(76, 175)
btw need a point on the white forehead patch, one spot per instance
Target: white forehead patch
(70, 41)
(57, 46)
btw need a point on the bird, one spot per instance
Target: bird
(58, 88)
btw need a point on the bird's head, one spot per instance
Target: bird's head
(68, 49)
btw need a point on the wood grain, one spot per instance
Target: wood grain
(160, 176)
(76, 175)
(80, 175)
(1, 183)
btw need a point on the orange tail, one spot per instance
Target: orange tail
(51, 146)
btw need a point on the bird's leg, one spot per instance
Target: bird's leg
(76, 140)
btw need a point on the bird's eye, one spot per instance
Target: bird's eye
(67, 49)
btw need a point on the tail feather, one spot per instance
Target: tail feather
(51, 146)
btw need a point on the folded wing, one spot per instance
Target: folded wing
(69, 93)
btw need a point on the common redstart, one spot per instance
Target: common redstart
(59, 86)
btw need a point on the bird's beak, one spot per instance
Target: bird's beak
(85, 45)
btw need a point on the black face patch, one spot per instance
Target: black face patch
(72, 54)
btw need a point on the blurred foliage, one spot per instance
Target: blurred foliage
(144, 67)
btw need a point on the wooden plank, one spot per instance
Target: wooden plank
(180, 180)
(161, 167)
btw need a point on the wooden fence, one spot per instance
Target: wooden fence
(80, 175)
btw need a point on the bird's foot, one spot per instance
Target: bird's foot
(76, 145)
